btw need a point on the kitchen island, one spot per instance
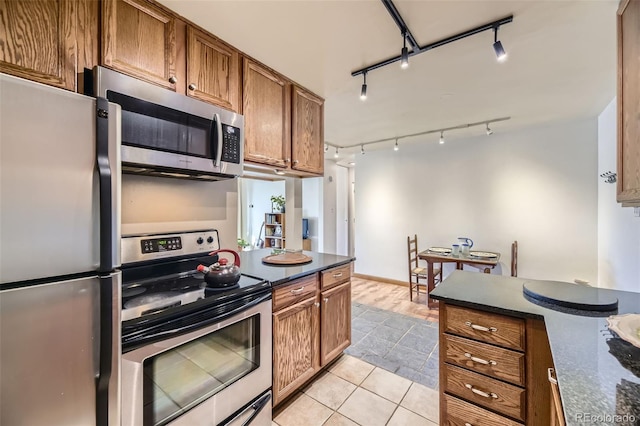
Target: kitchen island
(311, 315)
(598, 374)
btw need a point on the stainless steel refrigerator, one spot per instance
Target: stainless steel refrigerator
(59, 256)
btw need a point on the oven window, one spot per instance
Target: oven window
(147, 125)
(179, 379)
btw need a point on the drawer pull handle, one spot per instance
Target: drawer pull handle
(297, 290)
(479, 392)
(339, 274)
(479, 360)
(480, 327)
(550, 373)
(468, 424)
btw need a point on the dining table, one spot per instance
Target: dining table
(484, 260)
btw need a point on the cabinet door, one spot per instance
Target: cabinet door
(267, 116)
(308, 132)
(38, 40)
(296, 345)
(629, 102)
(335, 322)
(213, 70)
(139, 39)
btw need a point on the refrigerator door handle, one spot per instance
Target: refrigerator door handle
(108, 407)
(108, 165)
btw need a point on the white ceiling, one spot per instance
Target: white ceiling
(561, 65)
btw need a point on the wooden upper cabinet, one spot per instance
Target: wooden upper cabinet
(139, 39)
(629, 102)
(307, 132)
(38, 40)
(267, 116)
(213, 70)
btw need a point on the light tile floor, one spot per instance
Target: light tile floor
(400, 344)
(354, 392)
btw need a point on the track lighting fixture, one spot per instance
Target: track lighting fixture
(497, 46)
(278, 172)
(326, 147)
(489, 131)
(335, 155)
(396, 147)
(362, 149)
(416, 49)
(441, 137)
(404, 61)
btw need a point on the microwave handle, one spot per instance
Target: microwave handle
(216, 140)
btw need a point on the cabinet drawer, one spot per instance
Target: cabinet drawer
(334, 276)
(491, 328)
(460, 413)
(296, 291)
(491, 360)
(489, 393)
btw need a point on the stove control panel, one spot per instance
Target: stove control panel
(139, 248)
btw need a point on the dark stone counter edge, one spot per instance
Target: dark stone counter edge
(488, 308)
(281, 282)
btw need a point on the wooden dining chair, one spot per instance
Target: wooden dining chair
(418, 273)
(514, 259)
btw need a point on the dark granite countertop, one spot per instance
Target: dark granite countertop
(251, 264)
(598, 373)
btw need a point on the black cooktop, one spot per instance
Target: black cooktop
(174, 285)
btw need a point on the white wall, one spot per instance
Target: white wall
(329, 184)
(618, 229)
(312, 209)
(537, 186)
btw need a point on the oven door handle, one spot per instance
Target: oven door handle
(256, 406)
(205, 322)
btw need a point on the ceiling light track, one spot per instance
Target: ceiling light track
(490, 26)
(427, 132)
(391, 8)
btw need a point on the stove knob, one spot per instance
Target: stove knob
(210, 239)
(199, 240)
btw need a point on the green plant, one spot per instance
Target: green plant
(242, 243)
(278, 200)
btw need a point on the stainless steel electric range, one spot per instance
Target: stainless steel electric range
(192, 354)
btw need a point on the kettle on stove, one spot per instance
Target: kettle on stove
(221, 273)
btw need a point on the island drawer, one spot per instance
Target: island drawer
(493, 361)
(487, 327)
(334, 276)
(295, 291)
(461, 413)
(489, 393)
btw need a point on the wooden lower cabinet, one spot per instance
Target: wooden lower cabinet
(335, 322)
(296, 347)
(493, 368)
(555, 405)
(311, 328)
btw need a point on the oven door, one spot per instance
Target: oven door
(202, 377)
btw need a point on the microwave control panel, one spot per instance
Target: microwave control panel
(231, 144)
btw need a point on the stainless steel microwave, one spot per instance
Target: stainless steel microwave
(165, 133)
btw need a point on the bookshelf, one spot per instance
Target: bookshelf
(274, 230)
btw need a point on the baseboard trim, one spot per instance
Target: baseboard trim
(381, 279)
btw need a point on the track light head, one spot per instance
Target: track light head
(404, 57)
(335, 155)
(396, 147)
(489, 131)
(441, 138)
(363, 91)
(362, 149)
(326, 147)
(501, 55)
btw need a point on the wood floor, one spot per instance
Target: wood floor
(391, 297)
